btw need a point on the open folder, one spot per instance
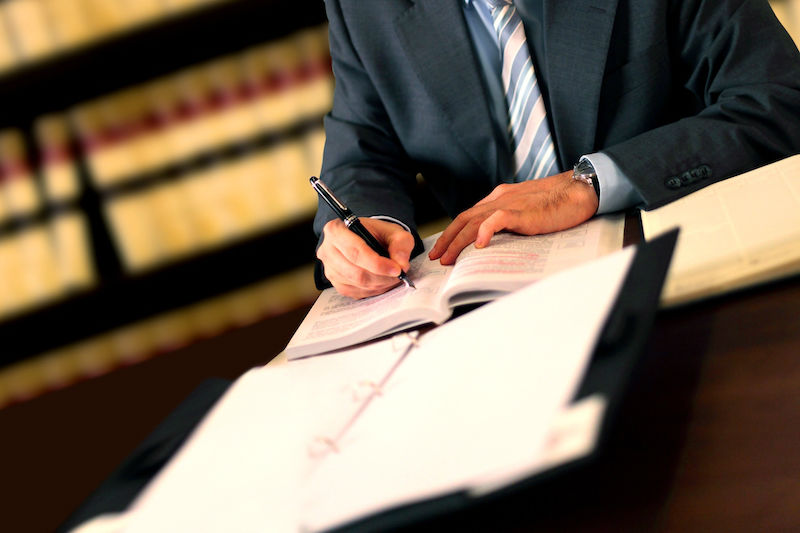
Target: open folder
(463, 410)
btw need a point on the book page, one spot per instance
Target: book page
(336, 321)
(511, 261)
(734, 233)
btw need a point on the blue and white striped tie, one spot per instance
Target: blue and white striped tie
(534, 152)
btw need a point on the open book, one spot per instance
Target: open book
(479, 275)
(735, 233)
(466, 407)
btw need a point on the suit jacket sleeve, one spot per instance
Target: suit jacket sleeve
(740, 77)
(364, 161)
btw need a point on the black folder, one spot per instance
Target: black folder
(612, 366)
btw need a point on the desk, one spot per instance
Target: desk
(708, 442)
(737, 362)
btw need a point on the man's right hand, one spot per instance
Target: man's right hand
(353, 268)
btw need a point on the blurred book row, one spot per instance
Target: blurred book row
(181, 164)
(133, 343)
(195, 112)
(31, 30)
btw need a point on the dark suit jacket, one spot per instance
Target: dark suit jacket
(679, 93)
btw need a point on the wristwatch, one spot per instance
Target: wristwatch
(584, 171)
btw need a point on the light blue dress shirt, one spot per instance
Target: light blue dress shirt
(616, 192)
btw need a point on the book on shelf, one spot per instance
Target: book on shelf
(58, 164)
(17, 179)
(735, 233)
(29, 28)
(45, 247)
(380, 434)
(8, 56)
(479, 275)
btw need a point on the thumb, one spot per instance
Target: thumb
(397, 240)
(399, 243)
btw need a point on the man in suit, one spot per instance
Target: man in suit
(654, 98)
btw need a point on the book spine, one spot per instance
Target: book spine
(69, 22)
(105, 17)
(57, 159)
(102, 139)
(144, 11)
(69, 234)
(9, 57)
(18, 182)
(72, 251)
(133, 230)
(30, 29)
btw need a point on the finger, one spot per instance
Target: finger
(339, 270)
(463, 239)
(359, 288)
(494, 223)
(449, 233)
(351, 291)
(399, 242)
(357, 252)
(400, 246)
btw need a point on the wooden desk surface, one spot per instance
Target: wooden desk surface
(729, 411)
(710, 440)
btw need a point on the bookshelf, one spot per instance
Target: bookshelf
(57, 207)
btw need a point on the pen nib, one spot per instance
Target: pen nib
(408, 282)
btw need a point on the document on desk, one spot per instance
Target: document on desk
(320, 442)
(734, 233)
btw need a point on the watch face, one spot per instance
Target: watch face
(584, 167)
(584, 171)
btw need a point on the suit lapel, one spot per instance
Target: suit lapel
(576, 36)
(437, 41)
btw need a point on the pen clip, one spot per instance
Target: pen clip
(326, 194)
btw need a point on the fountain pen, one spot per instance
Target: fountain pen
(352, 223)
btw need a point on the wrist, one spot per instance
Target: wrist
(392, 219)
(585, 176)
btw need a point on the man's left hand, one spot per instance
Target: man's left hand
(529, 208)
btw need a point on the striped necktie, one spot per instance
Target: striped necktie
(534, 152)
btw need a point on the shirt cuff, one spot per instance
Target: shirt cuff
(392, 219)
(616, 191)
